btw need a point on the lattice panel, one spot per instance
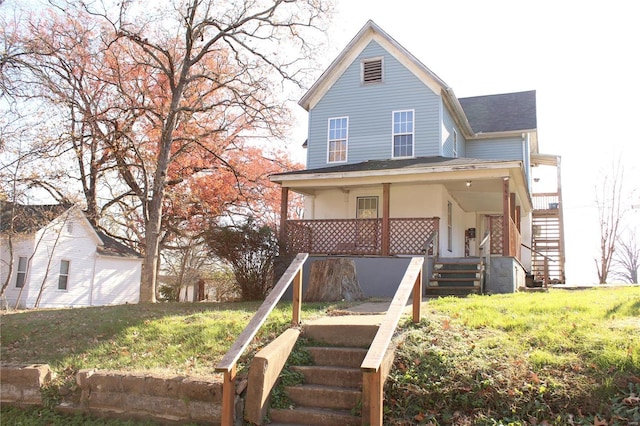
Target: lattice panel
(335, 236)
(495, 223)
(408, 236)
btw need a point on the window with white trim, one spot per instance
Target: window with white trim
(455, 143)
(338, 133)
(403, 126)
(371, 70)
(367, 207)
(63, 278)
(21, 271)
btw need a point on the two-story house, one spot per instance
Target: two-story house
(396, 164)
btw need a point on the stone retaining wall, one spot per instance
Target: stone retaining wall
(168, 400)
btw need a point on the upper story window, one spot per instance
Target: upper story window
(21, 273)
(455, 143)
(403, 133)
(338, 131)
(372, 70)
(63, 278)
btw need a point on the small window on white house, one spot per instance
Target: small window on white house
(367, 207)
(372, 70)
(63, 278)
(403, 133)
(70, 227)
(338, 132)
(21, 271)
(455, 144)
(449, 226)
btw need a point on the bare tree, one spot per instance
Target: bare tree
(626, 260)
(611, 200)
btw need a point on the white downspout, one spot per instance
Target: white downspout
(93, 279)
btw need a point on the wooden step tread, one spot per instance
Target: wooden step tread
(313, 416)
(459, 279)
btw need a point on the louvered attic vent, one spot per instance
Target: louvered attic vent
(372, 71)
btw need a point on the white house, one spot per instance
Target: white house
(61, 260)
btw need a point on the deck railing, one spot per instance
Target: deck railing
(545, 201)
(371, 367)
(227, 364)
(485, 255)
(358, 236)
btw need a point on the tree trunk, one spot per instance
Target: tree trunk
(333, 280)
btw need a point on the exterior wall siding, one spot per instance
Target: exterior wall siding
(495, 149)
(117, 281)
(369, 108)
(448, 128)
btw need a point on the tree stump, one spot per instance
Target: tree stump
(332, 280)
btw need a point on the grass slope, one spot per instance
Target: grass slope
(538, 358)
(557, 358)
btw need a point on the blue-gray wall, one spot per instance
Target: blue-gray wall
(450, 126)
(369, 108)
(495, 149)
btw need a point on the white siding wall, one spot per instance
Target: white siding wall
(117, 281)
(21, 247)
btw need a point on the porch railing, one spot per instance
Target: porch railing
(358, 236)
(496, 243)
(545, 201)
(227, 364)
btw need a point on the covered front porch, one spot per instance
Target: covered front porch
(424, 209)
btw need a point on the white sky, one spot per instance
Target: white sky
(581, 57)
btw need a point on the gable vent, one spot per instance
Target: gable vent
(372, 71)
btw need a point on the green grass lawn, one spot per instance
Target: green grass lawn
(563, 357)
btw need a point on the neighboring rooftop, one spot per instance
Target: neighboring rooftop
(501, 113)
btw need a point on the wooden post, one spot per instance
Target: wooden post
(386, 237)
(506, 217)
(284, 212)
(228, 397)
(297, 298)
(374, 383)
(417, 298)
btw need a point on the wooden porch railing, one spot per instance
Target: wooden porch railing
(496, 230)
(371, 365)
(546, 201)
(227, 364)
(358, 236)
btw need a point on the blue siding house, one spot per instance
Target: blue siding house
(398, 166)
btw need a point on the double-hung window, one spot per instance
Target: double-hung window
(63, 278)
(338, 133)
(403, 126)
(455, 143)
(367, 207)
(21, 272)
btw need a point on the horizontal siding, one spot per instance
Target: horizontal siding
(449, 126)
(495, 149)
(117, 281)
(369, 108)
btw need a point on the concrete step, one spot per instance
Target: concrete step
(348, 330)
(337, 356)
(330, 376)
(329, 397)
(313, 416)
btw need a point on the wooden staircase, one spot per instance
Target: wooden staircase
(456, 277)
(331, 393)
(547, 241)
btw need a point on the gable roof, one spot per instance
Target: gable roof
(30, 218)
(501, 113)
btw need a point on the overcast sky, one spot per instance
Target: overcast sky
(581, 57)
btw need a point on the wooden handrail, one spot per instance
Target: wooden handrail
(227, 364)
(433, 238)
(411, 284)
(485, 253)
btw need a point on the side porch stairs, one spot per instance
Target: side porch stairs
(456, 277)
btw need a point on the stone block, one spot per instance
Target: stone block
(200, 390)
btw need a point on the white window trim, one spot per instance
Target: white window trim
(365, 60)
(346, 148)
(68, 275)
(413, 138)
(372, 197)
(449, 226)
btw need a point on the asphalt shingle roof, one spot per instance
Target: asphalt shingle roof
(501, 113)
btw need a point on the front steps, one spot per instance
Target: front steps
(456, 277)
(331, 393)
